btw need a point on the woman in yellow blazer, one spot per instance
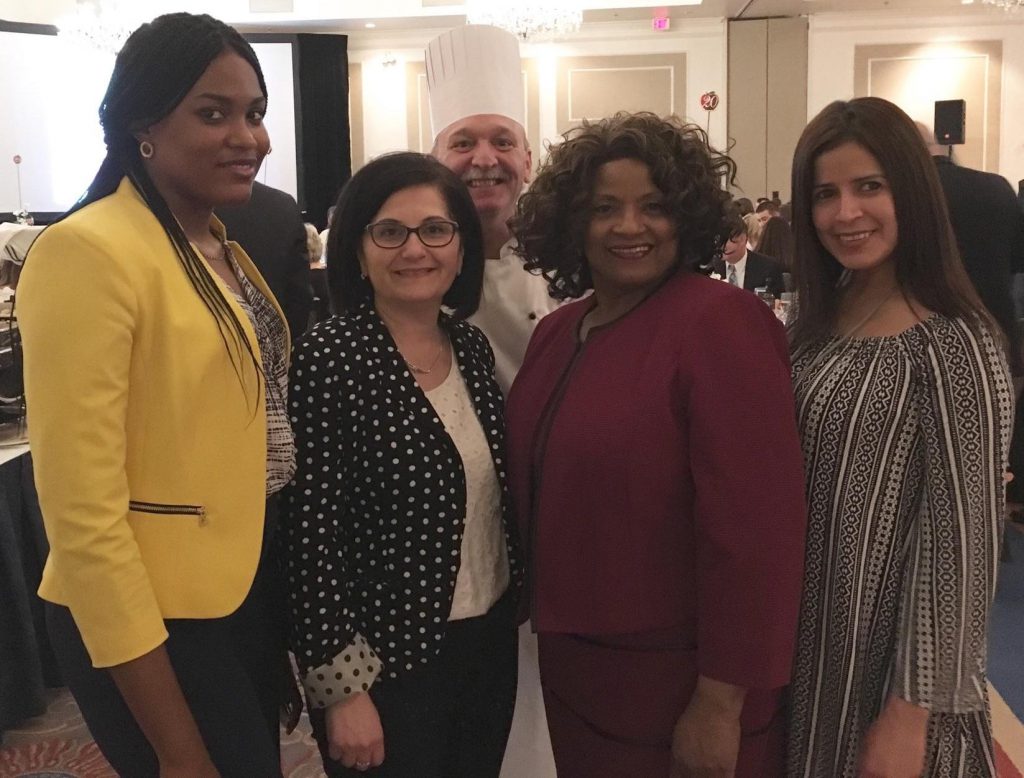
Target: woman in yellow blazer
(156, 373)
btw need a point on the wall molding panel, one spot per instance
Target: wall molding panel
(915, 75)
(594, 87)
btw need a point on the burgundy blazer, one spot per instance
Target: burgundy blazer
(658, 479)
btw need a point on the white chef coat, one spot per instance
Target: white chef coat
(512, 301)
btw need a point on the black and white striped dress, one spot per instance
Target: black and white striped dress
(905, 438)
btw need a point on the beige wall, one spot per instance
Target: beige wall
(767, 101)
(595, 87)
(835, 41)
(587, 88)
(695, 51)
(584, 88)
(748, 105)
(914, 76)
(719, 58)
(417, 109)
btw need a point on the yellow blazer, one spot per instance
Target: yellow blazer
(149, 451)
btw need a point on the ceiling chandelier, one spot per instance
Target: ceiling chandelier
(1006, 5)
(97, 24)
(530, 21)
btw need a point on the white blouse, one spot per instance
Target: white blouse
(483, 571)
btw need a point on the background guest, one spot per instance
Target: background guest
(776, 241)
(314, 246)
(326, 230)
(988, 223)
(765, 210)
(645, 426)
(904, 404)
(988, 226)
(744, 268)
(401, 568)
(744, 206)
(754, 227)
(156, 371)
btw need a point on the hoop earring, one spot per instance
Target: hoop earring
(146, 149)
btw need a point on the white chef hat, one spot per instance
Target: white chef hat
(473, 70)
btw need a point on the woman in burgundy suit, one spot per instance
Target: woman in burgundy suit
(654, 460)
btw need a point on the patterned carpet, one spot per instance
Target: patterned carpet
(57, 745)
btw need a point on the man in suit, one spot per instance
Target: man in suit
(765, 210)
(269, 227)
(989, 228)
(745, 268)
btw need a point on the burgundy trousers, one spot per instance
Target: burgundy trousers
(612, 703)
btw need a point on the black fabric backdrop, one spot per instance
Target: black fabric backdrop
(323, 143)
(27, 665)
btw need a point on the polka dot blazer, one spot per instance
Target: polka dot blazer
(373, 520)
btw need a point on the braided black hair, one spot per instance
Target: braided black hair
(158, 65)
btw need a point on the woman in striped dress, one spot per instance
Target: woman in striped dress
(904, 406)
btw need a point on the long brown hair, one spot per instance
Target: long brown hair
(928, 266)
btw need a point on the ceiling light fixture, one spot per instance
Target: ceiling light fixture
(1006, 5)
(529, 21)
(99, 24)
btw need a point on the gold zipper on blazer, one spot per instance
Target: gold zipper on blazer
(169, 509)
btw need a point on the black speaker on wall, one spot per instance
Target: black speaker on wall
(950, 122)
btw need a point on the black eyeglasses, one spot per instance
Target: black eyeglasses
(390, 234)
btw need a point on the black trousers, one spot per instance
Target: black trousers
(451, 718)
(230, 670)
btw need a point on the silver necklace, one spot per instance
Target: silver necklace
(433, 363)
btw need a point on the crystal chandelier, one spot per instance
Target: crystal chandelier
(1006, 5)
(98, 24)
(528, 20)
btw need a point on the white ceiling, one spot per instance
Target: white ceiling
(342, 15)
(759, 8)
(403, 14)
(753, 9)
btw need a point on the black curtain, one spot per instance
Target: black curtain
(324, 145)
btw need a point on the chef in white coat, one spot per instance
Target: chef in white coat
(478, 114)
(478, 117)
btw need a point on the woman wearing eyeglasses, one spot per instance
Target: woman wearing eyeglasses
(400, 559)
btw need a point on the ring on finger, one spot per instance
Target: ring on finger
(360, 765)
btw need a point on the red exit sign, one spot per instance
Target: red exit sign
(660, 23)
